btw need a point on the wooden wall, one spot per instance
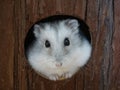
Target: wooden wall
(103, 70)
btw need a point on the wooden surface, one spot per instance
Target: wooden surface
(102, 16)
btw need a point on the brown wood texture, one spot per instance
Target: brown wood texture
(103, 18)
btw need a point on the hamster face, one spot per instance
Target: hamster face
(59, 50)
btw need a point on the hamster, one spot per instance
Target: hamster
(57, 48)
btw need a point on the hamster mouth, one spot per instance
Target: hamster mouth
(58, 64)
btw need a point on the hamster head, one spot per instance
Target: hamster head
(59, 50)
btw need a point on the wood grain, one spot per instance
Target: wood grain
(6, 45)
(101, 72)
(115, 72)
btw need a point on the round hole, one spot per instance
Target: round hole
(55, 29)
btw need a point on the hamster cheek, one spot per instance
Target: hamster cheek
(41, 63)
(80, 58)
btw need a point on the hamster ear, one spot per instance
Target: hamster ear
(36, 30)
(72, 23)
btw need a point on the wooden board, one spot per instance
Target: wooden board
(103, 18)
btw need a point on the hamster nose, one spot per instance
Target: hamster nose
(58, 64)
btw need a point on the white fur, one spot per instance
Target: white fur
(44, 60)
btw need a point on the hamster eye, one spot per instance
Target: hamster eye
(47, 44)
(66, 42)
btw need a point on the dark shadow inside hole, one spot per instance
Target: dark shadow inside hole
(30, 38)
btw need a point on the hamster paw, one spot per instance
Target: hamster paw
(54, 77)
(67, 75)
